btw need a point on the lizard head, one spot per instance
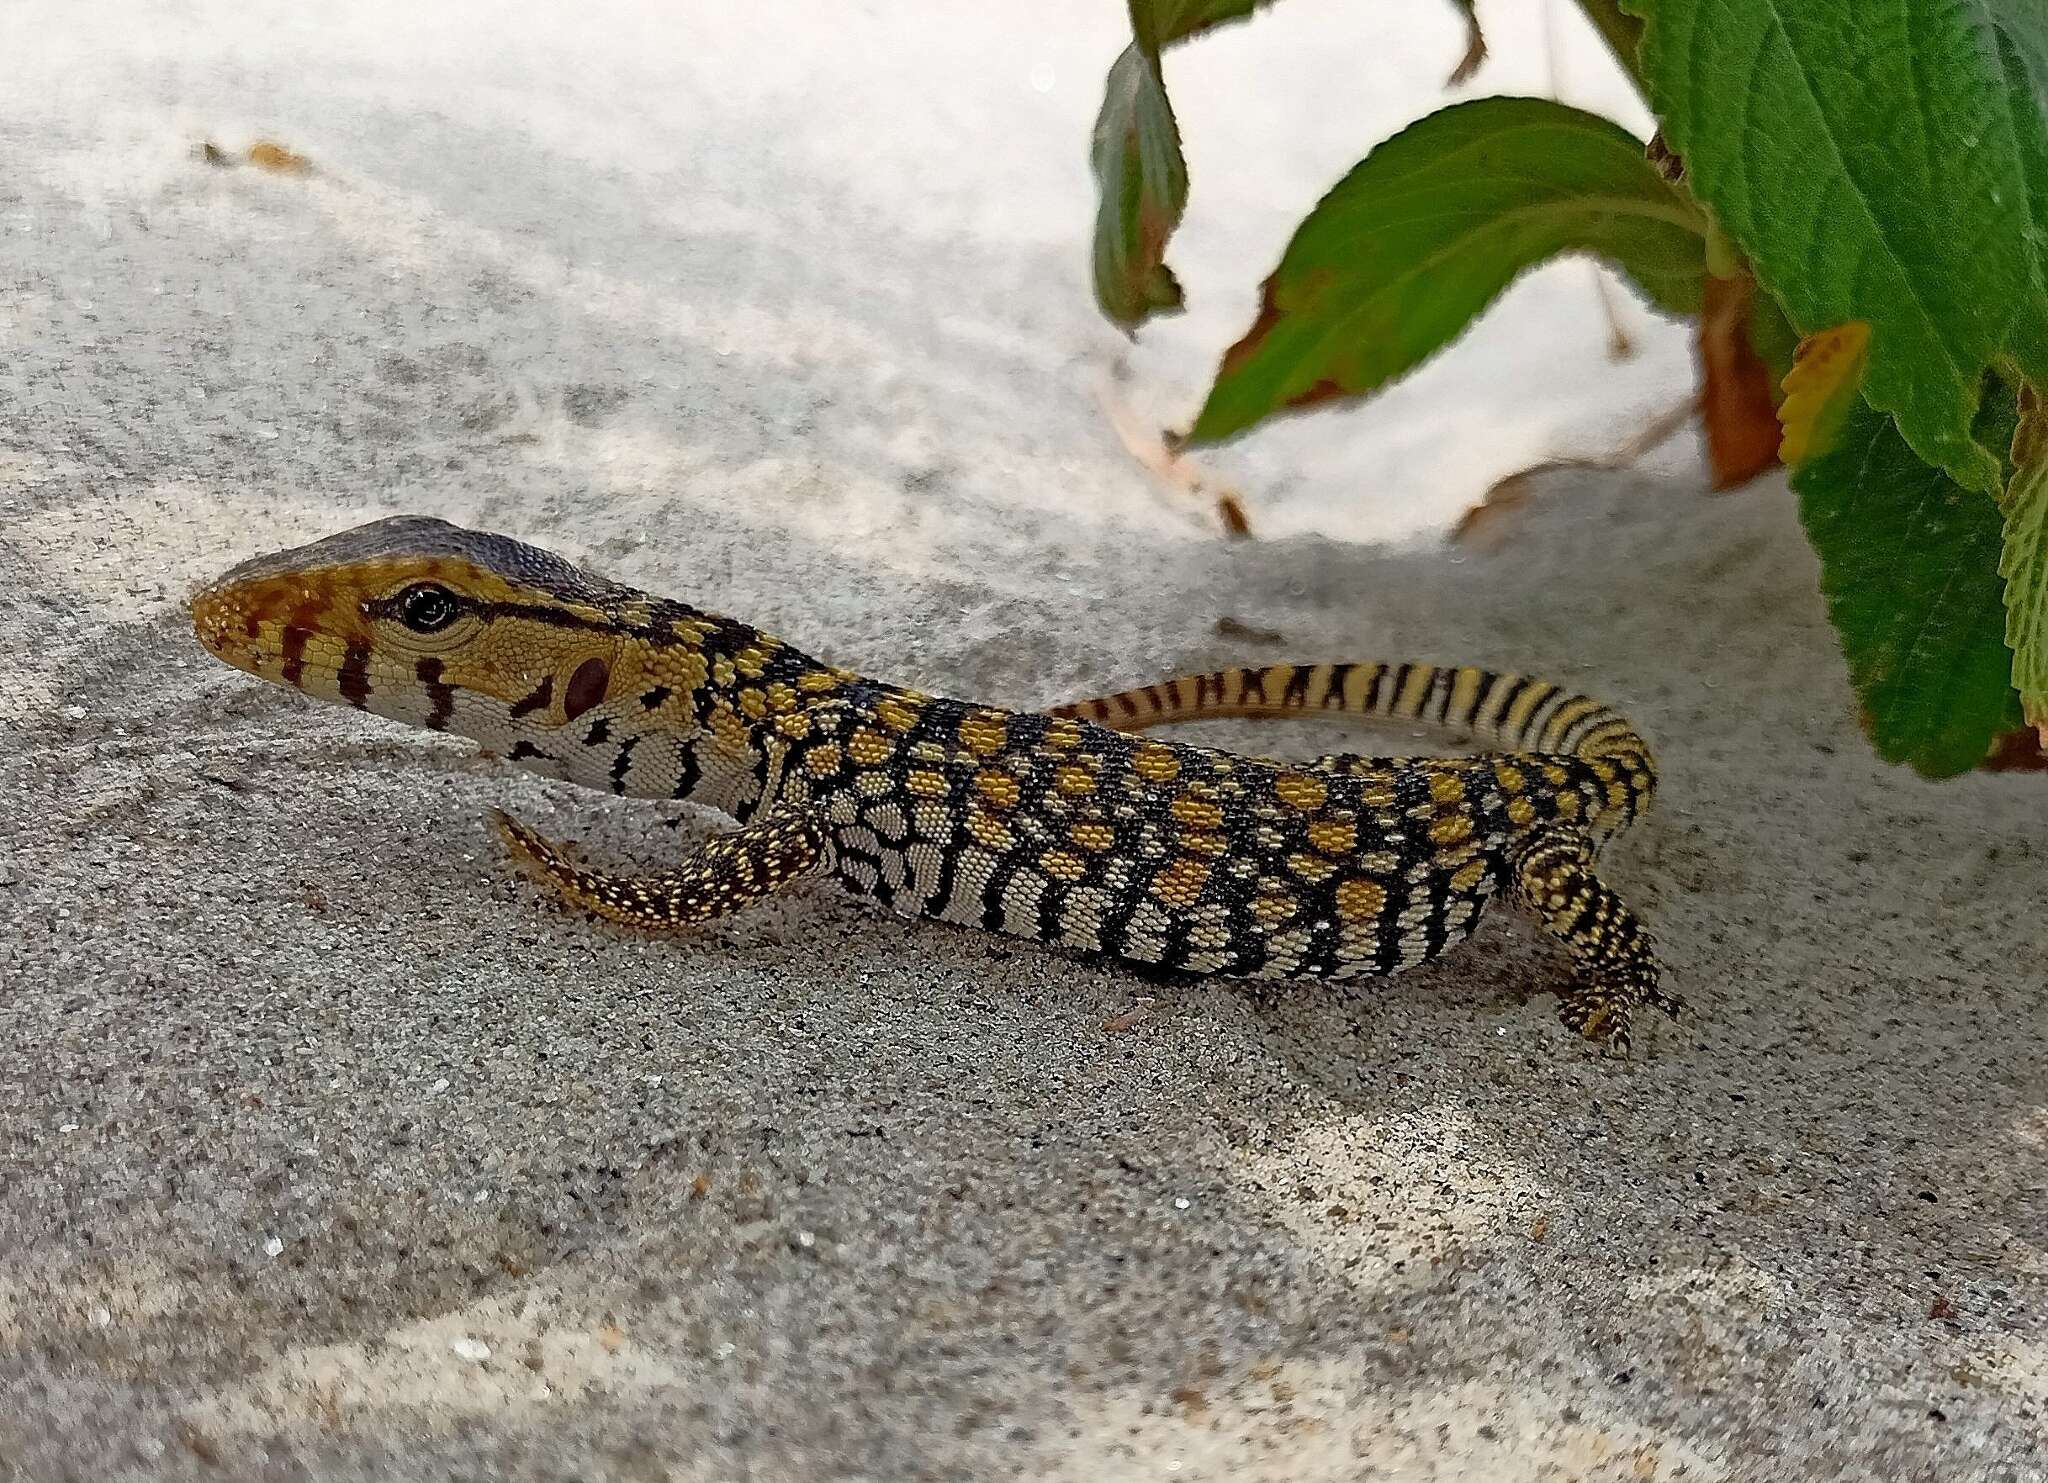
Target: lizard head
(428, 623)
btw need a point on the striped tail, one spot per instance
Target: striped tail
(1510, 711)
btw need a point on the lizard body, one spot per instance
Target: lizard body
(1047, 826)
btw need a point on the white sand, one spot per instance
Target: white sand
(329, 1151)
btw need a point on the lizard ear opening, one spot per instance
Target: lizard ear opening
(586, 687)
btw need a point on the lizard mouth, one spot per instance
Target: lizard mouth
(209, 618)
(222, 629)
(234, 623)
(275, 629)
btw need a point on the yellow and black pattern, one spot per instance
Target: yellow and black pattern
(1615, 782)
(1057, 827)
(1182, 857)
(727, 873)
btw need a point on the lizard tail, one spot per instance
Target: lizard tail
(1510, 711)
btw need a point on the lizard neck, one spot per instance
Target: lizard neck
(697, 707)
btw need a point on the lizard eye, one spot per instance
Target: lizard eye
(427, 608)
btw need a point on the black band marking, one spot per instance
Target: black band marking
(294, 651)
(543, 695)
(622, 763)
(354, 680)
(440, 697)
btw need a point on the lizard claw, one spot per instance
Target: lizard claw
(1596, 1014)
(1604, 1012)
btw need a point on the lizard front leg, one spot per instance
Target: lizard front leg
(725, 874)
(1551, 877)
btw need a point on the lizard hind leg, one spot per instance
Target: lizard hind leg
(723, 875)
(1552, 879)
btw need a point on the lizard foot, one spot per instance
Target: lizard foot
(1604, 1012)
(720, 876)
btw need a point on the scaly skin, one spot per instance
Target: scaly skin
(1043, 826)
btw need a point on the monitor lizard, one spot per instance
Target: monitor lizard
(1054, 826)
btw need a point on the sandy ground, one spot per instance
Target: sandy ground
(327, 1150)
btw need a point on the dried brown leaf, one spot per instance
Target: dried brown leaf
(1230, 510)
(1481, 524)
(1620, 346)
(267, 154)
(1737, 413)
(2017, 751)
(1664, 158)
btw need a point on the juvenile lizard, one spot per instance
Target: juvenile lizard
(1043, 826)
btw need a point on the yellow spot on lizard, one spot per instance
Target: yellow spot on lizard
(1062, 865)
(1180, 884)
(869, 748)
(999, 788)
(984, 733)
(1300, 790)
(1156, 764)
(1076, 781)
(1360, 900)
(1333, 836)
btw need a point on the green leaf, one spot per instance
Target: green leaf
(2023, 64)
(1909, 565)
(1159, 23)
(1873, 159)
(1141, 177)
(2023, 562)
(1142, 188)
(1422, 235)
(1772, 334)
